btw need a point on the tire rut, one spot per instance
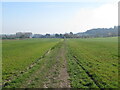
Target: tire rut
(89, 75)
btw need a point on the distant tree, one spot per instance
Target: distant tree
(57, 35)
(71, 33)
(66, 35)
(61, 36)
(47, 35)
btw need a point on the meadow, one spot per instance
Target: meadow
(40, 63)
(17, 55)
(93, 62)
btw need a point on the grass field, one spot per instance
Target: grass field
(55, 63)
(17, 55)
(93, 62)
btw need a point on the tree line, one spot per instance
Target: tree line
(98, 32)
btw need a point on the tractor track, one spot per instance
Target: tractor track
(89, 75)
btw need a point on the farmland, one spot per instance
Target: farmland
(58, 63)
(93, 62)
(17, 55)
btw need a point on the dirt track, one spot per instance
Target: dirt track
(58, 77)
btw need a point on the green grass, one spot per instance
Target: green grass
(36, 76)
(17, 55)
(98, 57)
(92, 62)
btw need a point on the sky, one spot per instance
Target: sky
(57, 16)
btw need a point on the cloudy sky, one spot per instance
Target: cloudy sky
(58, 16)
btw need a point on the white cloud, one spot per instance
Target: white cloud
(104, 16)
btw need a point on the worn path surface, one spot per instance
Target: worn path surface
(58, 76)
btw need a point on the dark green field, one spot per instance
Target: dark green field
(60, 63)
